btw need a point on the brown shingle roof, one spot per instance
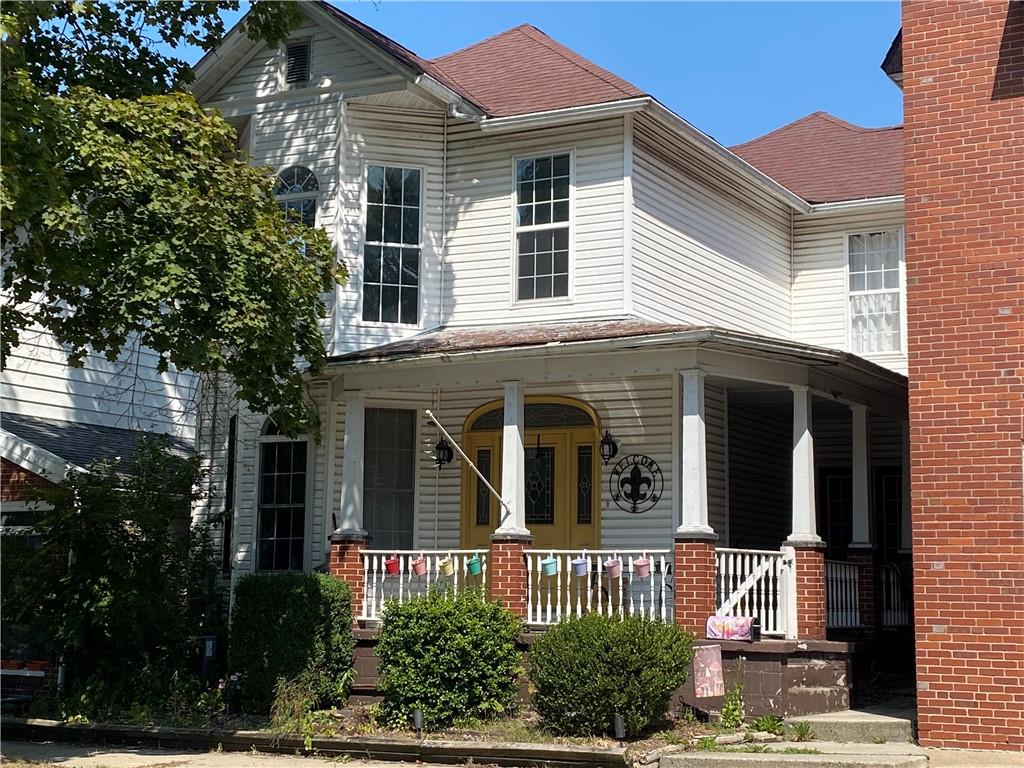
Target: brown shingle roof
(462, 339)
(523, 70)
(824, 159)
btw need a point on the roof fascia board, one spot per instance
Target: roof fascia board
(711, 147)
(562, 116)
(860, 204)
(438, 91)
(35, 459)
(365, 87)
(232, 38)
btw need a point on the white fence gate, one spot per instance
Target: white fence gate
(759, 584)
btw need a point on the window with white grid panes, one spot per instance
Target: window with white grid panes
(391, 250)
(543, 189)
(875, 290)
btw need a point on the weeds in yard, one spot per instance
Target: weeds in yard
(878, 740)
(768, 724)
(732, 708)
(801, 732)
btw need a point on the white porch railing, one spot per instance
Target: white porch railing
(895, 611)
(563, 594)
(759, 584)
(380, 586)
(842, 595)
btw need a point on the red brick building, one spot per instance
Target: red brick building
(963, 80)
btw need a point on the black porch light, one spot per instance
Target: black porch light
(609, 448)
(443, 453)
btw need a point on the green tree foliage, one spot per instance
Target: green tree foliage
(291, 631)
(127, 211)
(454, 657)
(586, 671)
(121, 582)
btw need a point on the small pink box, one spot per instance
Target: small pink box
(730, 628)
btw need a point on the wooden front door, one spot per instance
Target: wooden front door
(562, 487)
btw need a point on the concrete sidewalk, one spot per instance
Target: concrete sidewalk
(85, 756)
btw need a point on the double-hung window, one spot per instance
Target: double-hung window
(282, 501)
(391, 250)
(875, 292)
(542, 226)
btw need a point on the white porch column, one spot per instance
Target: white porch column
(351, 521)
(513, 462)
(906, 534)
(693, 482)
(861, 533)
(805, 528)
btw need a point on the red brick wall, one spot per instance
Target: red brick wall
(17, 483)
(810, 594)
(507, 574)
(963, 66)
(694, 588)
(346, 563)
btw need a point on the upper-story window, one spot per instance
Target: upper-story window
(282, 500)
(875, 292)
(297, 58)
(543, 187)
(297, 191)
(391, 250)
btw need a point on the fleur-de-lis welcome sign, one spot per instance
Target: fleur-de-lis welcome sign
(636, 483)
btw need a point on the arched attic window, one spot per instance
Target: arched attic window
(281, 511)
(297, 191)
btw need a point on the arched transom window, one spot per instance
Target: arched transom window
(297, 191)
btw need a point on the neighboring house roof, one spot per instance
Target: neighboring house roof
(892, 64)
(825, 160)
(81, 444)
(522, 70)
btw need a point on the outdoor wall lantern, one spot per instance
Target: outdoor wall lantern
(443, 453)
(609, 448)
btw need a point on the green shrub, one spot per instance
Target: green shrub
(453, 657)
(768, 724)
(585, 671)
(296, 627)
(121, 584)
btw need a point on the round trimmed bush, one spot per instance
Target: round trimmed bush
(454, 657)
(585, 671)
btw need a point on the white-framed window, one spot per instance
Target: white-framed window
(875, 268)
(298, 57)
(283, 491)
(542, 226)
(297, 191)
(389, 477)
(392, 244)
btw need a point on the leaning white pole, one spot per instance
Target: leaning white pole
(466, 459)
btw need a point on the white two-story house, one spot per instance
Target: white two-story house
(617, 329)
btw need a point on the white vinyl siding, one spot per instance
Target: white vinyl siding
(333, 60)
(128, 394)
(820, 280)
(707, 250)
(480, 259)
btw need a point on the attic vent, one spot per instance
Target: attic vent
(296, 71)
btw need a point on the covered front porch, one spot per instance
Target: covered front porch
(669, 472)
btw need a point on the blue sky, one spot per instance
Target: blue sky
(736, 70)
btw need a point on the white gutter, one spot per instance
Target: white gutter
(562, 116)
(851, 205)
(37, 460)
(456, 103)
(670, 119)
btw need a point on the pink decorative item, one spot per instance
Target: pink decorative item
(729, 628)
(391, 565)
(613, 567)
(642, 567)
(708, 676)
(419, 566)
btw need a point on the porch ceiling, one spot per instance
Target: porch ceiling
(553, 352)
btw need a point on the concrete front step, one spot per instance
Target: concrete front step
(782, 760)
(866, 726)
